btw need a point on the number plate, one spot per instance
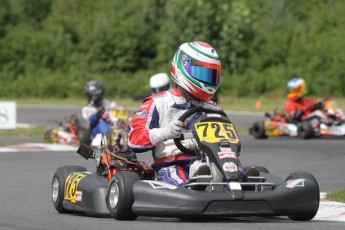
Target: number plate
(213, 132)
(120, 113)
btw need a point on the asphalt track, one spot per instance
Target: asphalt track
(25, 180)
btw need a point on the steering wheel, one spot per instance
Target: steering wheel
(187, 114)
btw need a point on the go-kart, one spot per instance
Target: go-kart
(71, 131)
(128, 195)
(326, 121)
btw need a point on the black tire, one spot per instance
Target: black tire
(47, 136)
(258, 130)
(305, 130)
(305, 175)
(120, 196)
(58, 185)
(259, 168)
(84, 136)
(50, 136)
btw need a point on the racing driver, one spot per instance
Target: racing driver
(95, 111)
(195, 69)
(296, 105)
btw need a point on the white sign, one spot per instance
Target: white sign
(8, 115)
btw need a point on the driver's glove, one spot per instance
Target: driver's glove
(189, 144)
(172, 130)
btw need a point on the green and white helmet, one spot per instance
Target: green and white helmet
(196, 68)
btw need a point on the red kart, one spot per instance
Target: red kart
(329, 120)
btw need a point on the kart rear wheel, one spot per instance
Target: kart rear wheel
(305, 130)
(84, 136)
(120, 196)
(305, 175)
(50, 136)
(58, 185)
(258, 130)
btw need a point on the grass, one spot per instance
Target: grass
(337, 195)
(268, 104)
(23, 132)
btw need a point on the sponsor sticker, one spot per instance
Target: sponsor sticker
(295, 183)
(71, 186)
(229, 167)
(222, 155)
(144, 106)
(225, 149)
(235, 186)
(79, 196)
(213, 115)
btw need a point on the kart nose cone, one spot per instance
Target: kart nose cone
(113, 195)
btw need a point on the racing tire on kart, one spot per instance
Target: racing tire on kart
(84, 136)
(305, 175)
(305, 130)
(258, 130)
(50, 136)
(58, 185)
(120, 196)
(259, 168)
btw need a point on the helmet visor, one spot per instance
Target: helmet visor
(202, 71)
(297, 90)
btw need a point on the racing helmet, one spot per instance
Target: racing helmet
(94, 91)
(296, 88)
(196, 68)
(159, 82)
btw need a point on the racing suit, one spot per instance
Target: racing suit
(97, 116)
(157, 111)
(299, 108)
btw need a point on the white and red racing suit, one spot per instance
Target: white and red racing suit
(156, 111)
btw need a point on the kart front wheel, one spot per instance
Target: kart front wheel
(258, 130)
(120, 196)
(305, 175)
(84, 136)
(305, 130)
(58, 185)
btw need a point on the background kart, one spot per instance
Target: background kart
(224, 193)
(327, 121)
(72, 131)
(69, 131)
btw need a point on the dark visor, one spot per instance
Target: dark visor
(207, 73)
